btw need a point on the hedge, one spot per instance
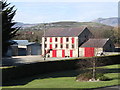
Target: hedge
(28, 70)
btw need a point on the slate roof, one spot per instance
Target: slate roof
(64, 32)
(95, 43)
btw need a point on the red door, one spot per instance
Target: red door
(54, 53)
(89, 52)
(71, 53)
(63, 53)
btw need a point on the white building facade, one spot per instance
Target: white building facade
(64, 42)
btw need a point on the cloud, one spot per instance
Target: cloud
(63, 0)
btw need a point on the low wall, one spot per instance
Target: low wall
(50, 66)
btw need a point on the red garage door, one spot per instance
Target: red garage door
(54, 53)
(63, 53)
(89, 52)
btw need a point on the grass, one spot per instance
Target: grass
(65, 79)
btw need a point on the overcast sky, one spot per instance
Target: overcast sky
(39, 11)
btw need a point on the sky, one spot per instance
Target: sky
(45, 11)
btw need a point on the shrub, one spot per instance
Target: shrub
(103, 78)
(88, 75)
(84, 76)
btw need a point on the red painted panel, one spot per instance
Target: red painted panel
(73, 40)
(54, 53)
(63, 53)
(50, 39)
(61, 40)
(89, 52)
(50, 46)
(71, 53)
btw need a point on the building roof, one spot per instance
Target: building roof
(22, 42)
(95, 43)
(64, 32)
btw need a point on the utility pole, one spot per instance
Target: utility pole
(44, 41)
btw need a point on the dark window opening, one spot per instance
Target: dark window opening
(56, 45)
(55, 39)
(45, 39)
(67, 39)
(45, 45)
(66, 45)
(61, 46)
(72, 46)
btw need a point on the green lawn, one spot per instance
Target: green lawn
(66, 79)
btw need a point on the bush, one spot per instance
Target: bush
(84, 76)
(103, 78)
(88, 75)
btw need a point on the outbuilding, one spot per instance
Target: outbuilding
(33, 48)
(96, 47)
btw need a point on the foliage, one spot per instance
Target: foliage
(8, 32)
(88, 75)
(103, 78)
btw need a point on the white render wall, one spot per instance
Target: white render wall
(98, 51)
(81, 52)
(59, 49)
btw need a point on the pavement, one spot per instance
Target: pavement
(19, 60)
(109, 88)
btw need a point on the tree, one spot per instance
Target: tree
(8, 31)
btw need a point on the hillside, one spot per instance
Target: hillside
(23, 25)
(108, 21)
(64, 24)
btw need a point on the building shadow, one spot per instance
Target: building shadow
(69, 73)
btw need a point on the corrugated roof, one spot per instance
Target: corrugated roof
(22, 42)
(64, 32)
(95, 43)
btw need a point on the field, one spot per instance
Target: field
(66, 79)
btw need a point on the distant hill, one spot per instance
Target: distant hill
(23, 25)
(65, 24)
(108, 21)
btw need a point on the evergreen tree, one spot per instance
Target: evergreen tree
(8, 31)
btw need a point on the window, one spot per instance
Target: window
(45, 45)
(45, 39)
(61, 46)
(66, 45)
(61, 40)
(73, 40)
(67, 39)
(50, 39)
(72, 46)
(56, 45)
(55, 39)
(50, 46)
